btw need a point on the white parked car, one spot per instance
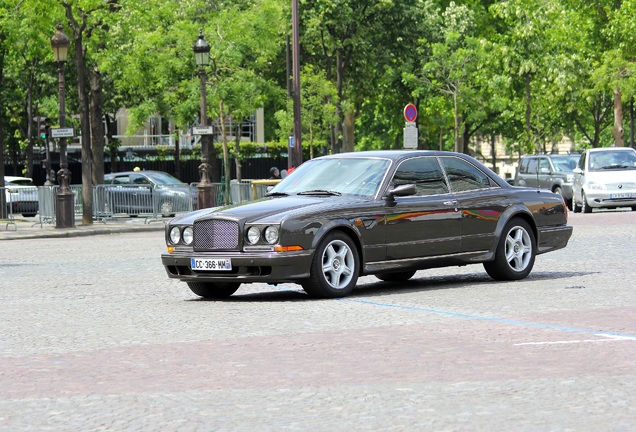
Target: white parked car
(21, 195)
(605, 178)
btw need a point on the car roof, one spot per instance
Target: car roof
(133, 172)
(601, 149)
(14, 178)
(391, 154)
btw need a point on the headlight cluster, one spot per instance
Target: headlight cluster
(596, 186)
(268, 234)
(183, 235)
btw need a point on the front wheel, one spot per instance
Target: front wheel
(214, 290)
(166, 209)
(586, 207)
(334, 269)
(515, 253)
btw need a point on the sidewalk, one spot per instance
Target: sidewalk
(30, 228)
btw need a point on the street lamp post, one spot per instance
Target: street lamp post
(64, 199)
(205, 197)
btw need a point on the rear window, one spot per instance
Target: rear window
(21, 182)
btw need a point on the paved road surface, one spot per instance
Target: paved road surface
(95, 337)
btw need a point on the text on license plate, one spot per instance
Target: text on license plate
(621, 195)
(211, 264)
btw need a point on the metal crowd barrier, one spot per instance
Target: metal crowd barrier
(109, 201)
(151, 202)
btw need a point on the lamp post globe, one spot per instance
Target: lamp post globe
(205, 196)
(64, 198)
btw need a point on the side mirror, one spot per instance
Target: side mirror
(577, 170)
(402, 190)
(544, 170)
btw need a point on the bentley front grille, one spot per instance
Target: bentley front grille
(216, 234)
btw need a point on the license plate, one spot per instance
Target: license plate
(620, 195)
(211, 264)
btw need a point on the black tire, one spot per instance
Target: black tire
(586, 206)
(334, 269)
(633, 208)
(214, 290)
(396, 276)
(576, 208)
(515, 253)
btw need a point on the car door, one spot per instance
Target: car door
(481, 200)
(544, 174)
(530, 176)
(427, 223)
(142, 193)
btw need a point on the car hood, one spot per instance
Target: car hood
(270, 209)
(622, 176)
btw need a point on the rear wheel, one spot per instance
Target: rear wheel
(334, 269)
(396, 276)
(515, 253)
(214, 290)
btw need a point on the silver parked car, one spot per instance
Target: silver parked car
(548, 171)
(21, 196)
(147, 192)
(605, 178)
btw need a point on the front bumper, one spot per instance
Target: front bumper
(610, 198)
(247, 267)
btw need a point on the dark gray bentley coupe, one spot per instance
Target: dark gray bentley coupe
(385, 213)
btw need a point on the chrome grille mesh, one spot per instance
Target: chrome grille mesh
(216, 234)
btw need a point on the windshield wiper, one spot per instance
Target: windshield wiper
(275, 194)
(320, 192)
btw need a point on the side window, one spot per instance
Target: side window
(581, 164)
(121, 180)
(532, 166)
(524, 166)
(140, 180)
(544, 165)
(464, 176)
(425, 173)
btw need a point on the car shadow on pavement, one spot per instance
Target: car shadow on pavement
(431, 283)
(294, 293)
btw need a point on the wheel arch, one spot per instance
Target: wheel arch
(516, 212)
(345, 228)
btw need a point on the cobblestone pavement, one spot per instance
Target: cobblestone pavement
(94, 336)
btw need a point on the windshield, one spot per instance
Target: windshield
(345, 176)
(565, 163)
(612, 160)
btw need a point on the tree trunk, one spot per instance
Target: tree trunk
(347, 133)
(227, 172)
(30, 144)
(617, 131)
(458, 146)
(237, 151)
(97, 127)
(84, 109)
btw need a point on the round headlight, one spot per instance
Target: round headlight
(175, 235)
(253, 235)
(271, 234)
(188, 235)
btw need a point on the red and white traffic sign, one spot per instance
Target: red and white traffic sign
(410, 112)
